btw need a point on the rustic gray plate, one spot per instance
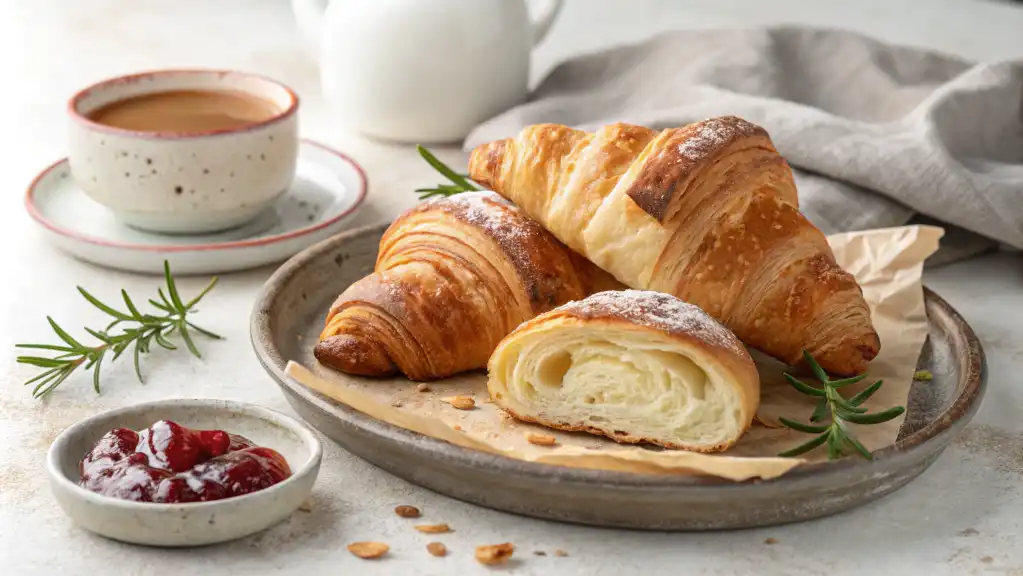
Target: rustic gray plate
(288, 317)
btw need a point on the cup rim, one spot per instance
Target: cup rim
(78, 117)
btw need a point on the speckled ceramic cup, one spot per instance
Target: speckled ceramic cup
(178, 181)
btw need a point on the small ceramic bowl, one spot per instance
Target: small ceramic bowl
(196, 523)
(177, 181)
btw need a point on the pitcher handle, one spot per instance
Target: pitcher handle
(541, 25)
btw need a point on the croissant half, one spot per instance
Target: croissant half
(453, 277)
(635, 366)
(707, 212)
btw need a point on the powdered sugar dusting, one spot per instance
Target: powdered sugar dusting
(679, 154)
(539, 258)
(713, 134)
(500, 219)
(659, 311)
(488, 210)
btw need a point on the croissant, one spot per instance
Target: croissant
(453, 277)
(634, 366)
(707, 213)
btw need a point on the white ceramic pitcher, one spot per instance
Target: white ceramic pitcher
(422, 70)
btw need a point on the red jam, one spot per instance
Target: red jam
(169, 463)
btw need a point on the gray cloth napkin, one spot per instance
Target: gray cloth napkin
(877, 135)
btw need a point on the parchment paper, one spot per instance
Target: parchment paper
(886, 262)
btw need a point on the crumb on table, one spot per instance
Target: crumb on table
(541, 439)
(406, 511)
(491, 554)
(461, 402)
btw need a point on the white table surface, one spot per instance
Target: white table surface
(964, 515)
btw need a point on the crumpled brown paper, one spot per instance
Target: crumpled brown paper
(887, 263)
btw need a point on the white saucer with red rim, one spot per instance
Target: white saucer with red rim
(327, 189)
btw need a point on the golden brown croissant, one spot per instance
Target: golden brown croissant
(707, 213)
(452, 278)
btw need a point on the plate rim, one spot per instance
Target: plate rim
(949, 421)
(42, 220)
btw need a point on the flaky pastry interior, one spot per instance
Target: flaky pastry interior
(634, 366)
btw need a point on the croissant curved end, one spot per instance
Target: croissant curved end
(485, 163)
(848, 359)
(355, 355)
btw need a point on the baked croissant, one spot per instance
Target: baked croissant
(631, 365)
(453, 277)
(707, 212)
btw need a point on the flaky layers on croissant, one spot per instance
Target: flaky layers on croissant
(453, 277)
(635, 366)
(707, 212)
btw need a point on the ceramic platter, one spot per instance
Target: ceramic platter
(289, 315)
(327, 189)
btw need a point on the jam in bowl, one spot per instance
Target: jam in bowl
(169, 463)
(183, 471)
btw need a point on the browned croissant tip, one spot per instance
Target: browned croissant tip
(354, 355)
(682, 152)
(485, 163)
(849, 360)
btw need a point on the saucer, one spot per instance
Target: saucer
(327, 189)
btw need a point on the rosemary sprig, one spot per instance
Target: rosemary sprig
(144, 329)
(459, 182)
(836, 434)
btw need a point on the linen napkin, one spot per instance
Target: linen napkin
(877, 135)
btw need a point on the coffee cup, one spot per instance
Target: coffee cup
(184, 151)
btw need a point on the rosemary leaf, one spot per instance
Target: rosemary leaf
(138, 351)
(804, 388)
(834, 444)
(95, 372)
(803, 427)
(162, 341)
(188, 340)
(857, 446)
(821, 411)
(172, 288)
(136, 315)
(866, 393)
(806, 447)
(203, 292)
(45, 347)
(875, 418)
(41, 376)
(119, 348)
(40, 361)
(459, 182)
(47, 385)
(846, 381)
(447, 172)
(102, 337)
(64, 335)
(815, 367)
(117, 314)
(204, 331)
(166, 303)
